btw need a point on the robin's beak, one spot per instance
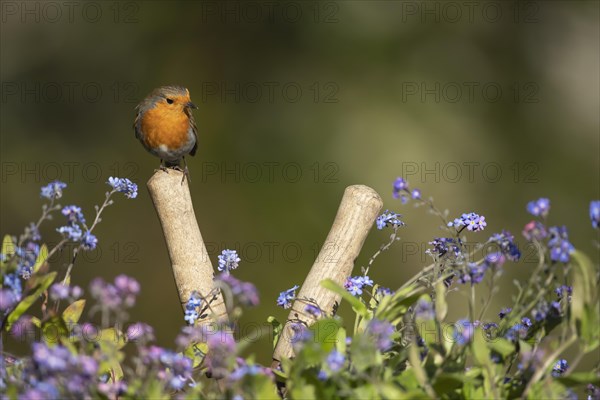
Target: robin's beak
(189, 104)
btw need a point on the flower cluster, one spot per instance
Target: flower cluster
(245, 292)
(560, 247)
(560, 368)
(539, 207)
(595, 213)
(506, 242)
(286, 297)
(402, 191)
(53, 190)
(473, 222)
(123, 185)
(355, 284)
(61, 291)
(388, 219)
(121, 293)
(228, 261)
(443, 246)
(54, 365)
(192, 308)
(381, 333)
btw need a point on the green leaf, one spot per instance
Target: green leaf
(579, 378)
(277, 329)
(441, 307)
(8, 246)
(264, 388)
(73, 312)
(325, 332)
(481, 354)
(196, 352)
(113, 336)
(584, 307)
(356, 304)
(40, 283)
(41, 258)
(54, 330)
(446, 382)
(502, 347)
(341, 340)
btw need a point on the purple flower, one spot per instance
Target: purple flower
(52, 359)
(562, 290)
(248, 370)
(463, 331)
(313, 310)
(355, 284)
(539, 207)
(89, 241)
(58, 291)
(400, 185)
(286, 297)
(388, 218)
(516, 332)
(335, 361)
(474, 273)
(560, 247)
(140, 332)
(71, 232)
(221, 350)
(13, 282)
(121, 294)
(526, 322)
(300, 335)
(381, 332)
(191, 308)
(541, 311)
(424, 310)
(53, 190)
(495, 259)
(73, 214)
(593, 392)
(123, 185)
(473, 222)
(228, 260)
(534, 230)
(34, 232)
(383, 291)
(26, 258)
(504, 312)
(245, 292)
(595, 213)
(506, 242)
(560, 368)
(416, 194)
(7, 300)
(441, 246)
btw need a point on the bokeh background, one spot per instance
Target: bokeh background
(484, 107)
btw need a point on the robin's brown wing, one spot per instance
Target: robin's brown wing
(136, 122)
(195, 130)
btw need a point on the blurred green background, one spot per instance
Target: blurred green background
(484, 107)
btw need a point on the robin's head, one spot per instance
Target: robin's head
(169, 99)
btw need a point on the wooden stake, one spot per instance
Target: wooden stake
(355, 217)
(190, 263)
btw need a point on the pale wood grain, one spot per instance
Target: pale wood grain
(357, 212)
(191, 265)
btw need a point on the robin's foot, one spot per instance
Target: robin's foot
(162, 167)
(186, 174)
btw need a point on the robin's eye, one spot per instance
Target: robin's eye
(170, 101)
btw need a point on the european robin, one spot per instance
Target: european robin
(165, 125)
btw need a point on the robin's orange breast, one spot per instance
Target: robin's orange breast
(165, 128)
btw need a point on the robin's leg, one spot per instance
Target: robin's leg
(186, 172)
(162, 167)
